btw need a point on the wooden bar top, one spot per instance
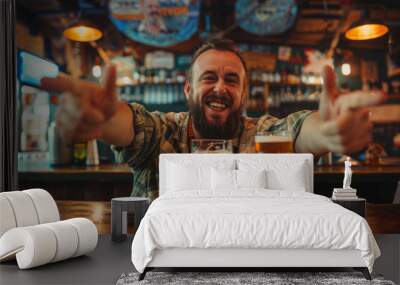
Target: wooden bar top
(359, 169)
(37, 171)
(44, 167)
(118, 169)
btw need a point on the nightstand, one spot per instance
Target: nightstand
(357, 205)
(120, 207)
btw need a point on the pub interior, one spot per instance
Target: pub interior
(284, 46)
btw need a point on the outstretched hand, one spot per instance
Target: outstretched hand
(85, 107)
(346, 127)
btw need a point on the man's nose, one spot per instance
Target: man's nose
(220, 86)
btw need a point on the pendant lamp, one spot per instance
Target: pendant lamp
(82, 32)
(366, 29)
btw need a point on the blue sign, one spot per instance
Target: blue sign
(270, 17)
(156, 22)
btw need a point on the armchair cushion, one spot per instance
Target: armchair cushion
(40, 244)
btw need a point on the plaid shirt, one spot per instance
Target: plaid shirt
(157, 132)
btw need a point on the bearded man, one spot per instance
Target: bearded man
(216, 90)
(152, 22)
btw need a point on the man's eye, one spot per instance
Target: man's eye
(209, 78)
(231, 79)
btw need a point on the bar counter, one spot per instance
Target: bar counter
(121, 170)
(42, 171)
(100, 183)
(86, 191)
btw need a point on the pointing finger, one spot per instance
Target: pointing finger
(62, 83)
(109, 88)
(358, 99)
(329, 93)
(110, 78)
(329, 86)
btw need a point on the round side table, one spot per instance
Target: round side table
(120, 207)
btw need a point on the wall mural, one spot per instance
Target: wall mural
(269, 18)
(156, 22)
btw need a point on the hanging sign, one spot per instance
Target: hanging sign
(156, 22)
(269, 17)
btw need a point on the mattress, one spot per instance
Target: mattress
(251, 219)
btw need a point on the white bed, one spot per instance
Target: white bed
(193, 224)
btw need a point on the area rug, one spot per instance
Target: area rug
(268, 278)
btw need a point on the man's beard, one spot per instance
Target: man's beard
(228, 130)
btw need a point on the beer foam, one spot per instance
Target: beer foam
(265, 139)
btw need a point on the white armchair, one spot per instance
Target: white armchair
(31, 230)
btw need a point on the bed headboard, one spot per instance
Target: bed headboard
(275, 160)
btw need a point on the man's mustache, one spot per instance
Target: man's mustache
(224, 98)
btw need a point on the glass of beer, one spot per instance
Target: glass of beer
(274, 142)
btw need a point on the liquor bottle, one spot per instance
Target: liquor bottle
(282, 95)
(277, 76)
(80, 154)
(289, 94)
(277, 99)
(284, 77)
(152, 95)
(299, 94)
(92, 153)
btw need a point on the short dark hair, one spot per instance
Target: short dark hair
(216, 44)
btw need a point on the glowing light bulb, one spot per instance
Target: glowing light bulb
(96, 71)
(346, 69)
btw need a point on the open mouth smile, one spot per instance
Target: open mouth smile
(218, 104)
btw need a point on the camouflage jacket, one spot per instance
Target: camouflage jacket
(157, 132)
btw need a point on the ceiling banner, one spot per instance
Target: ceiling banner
(156, 22)
(269, 17)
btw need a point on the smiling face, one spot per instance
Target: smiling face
(151, 10)
(216, 93)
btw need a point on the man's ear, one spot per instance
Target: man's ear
(187, 88)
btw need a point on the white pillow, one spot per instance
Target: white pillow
(185, 174)
(223, 179)
(280, 180)
(251, 178)
(182, 177)
(288, 174)
(236, 179)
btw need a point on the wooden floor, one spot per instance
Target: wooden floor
(98, 212)
(382, 218)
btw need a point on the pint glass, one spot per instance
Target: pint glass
(274, 142)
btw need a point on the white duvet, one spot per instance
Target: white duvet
(256, 218)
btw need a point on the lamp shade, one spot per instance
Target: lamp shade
(82, 32)
(366, 30)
